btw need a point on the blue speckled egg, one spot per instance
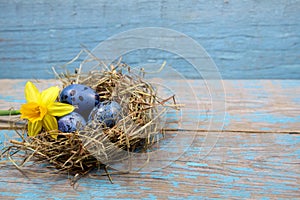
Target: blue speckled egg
(81, 96)
(71, 122)
(107, 112)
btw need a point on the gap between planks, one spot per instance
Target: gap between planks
(166, 131)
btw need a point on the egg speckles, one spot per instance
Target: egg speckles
(107, 112)
(82, 97)
(71, 122)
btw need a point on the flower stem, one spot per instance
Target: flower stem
(9, 112)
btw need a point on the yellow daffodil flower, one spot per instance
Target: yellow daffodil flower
(41, 108)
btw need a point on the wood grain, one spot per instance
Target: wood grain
(222, 165)
(246, 39)
(240, 166)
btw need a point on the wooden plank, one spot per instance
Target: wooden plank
(253, 105)
(240, 166)
(246, 39)
(226, 164)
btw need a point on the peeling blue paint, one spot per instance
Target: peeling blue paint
(175, 184)
(243, 169)
(162, 176)
(272, 119)
(145, 188)
(152, 197)
(266, 129)
(12, 99)
(223, 178)
(279, 187)
(287, 139)
(195, 164)
(5, 136)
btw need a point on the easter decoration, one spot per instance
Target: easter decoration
(93, 121)
(71, 122)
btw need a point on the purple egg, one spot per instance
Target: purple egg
(71, 122)
(81, 96)
(107, 112)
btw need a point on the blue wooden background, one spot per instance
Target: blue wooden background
(258, 160)
(246, 39)
(255, 157)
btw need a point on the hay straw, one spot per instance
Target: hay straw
(143, 114)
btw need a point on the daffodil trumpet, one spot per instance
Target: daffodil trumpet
(42, 108)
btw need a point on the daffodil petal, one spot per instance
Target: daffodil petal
(49, 95)
(32, 94)
(60, 109)
(34, 128)
(50, 123)
(53, 134)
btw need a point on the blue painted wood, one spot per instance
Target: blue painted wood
(246, 39)
(238, 165)
(250, 105)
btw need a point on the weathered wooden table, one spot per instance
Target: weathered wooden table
(255, 155)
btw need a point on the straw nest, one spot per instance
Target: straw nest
(141, 125)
